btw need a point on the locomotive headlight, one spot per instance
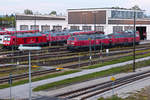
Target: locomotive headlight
(72, 43)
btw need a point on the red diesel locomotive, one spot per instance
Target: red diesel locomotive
(84, 41)
(25, 39)
(115, 39)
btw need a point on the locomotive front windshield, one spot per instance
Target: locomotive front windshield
(71, 38)
(7, 38)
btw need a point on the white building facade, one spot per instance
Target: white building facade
(40, 22)
(109, 20)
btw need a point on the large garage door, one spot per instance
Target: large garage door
(100, 28)
(142, 31)
(57, 28)
(45, 28)
(86, 27)
(117, 28)
(126, 28)
(24, 27)
(34, 27)
(74, 27)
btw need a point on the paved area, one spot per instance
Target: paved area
(120, 91)
(1, 65)
(21, 91)
(124, 91)
(144, 41)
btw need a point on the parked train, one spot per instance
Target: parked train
(101, 40)
(74, 39)
(41, 38)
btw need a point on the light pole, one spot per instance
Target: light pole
(94, 13)
(134, 41)
(34, 21)
(29, 49)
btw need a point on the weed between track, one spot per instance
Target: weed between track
(82, 79)
(117, 61)
(38, 78)
(126, 68)
(67, 57)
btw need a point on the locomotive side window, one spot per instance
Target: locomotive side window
(72, 38)
(14, 39)
(36, 39)
(8, 38)
(25, 40)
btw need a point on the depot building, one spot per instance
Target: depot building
(109, 20)
(40, 22)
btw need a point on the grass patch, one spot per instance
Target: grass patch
(111, 98)
(123, 59)
(69, 81)
(38, 79)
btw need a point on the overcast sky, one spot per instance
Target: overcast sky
(46, 6)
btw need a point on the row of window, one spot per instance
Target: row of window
(43, 27)
(101, 28)
(97, 28)
(126, 14)
(120, 28)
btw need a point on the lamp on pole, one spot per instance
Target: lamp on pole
(134, 40)
(34, 21)
(21, 47)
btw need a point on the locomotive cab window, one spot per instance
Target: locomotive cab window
(25, 40)
(72, 38)
(8, 38)
(36, 39)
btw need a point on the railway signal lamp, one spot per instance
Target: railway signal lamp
(21, 47)
(113, 79)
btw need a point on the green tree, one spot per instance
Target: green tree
(28, 12)
(7, 21)
(53, 13)
(136, 7)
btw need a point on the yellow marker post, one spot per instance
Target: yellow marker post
(59, 68)
(113, 78)
(113, 81)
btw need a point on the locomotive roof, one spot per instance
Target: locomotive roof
(28, 35)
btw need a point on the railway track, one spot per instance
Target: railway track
(95, 61)
(44, 49)
(75, 58)
(3, 80)
(99, 88)
(19, 56)
(35, 73)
